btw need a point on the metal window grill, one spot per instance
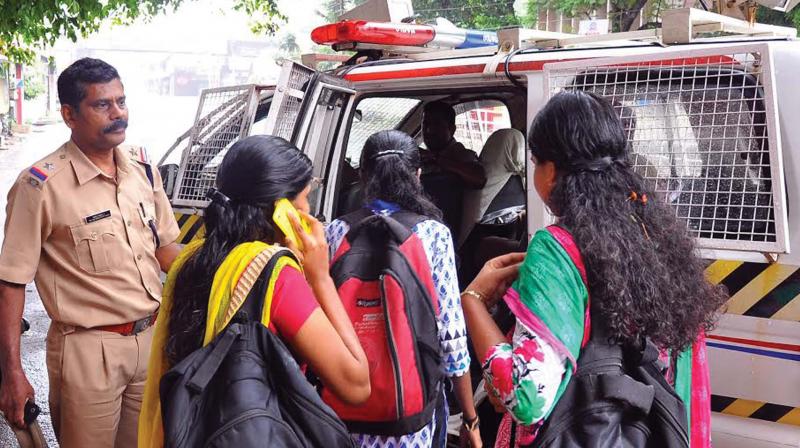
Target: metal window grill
(475, 125)
(294, 84)
(703, 134)
(223, 116)
(377, 114)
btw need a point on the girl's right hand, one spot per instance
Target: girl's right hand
(314, 255)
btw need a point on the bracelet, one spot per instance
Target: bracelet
(471, 424)
(473, 293)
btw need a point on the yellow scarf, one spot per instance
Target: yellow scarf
(232, 282)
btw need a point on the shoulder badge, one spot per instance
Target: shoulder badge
(38, 173)
(37, 176)
(43, 170)
(139, 154)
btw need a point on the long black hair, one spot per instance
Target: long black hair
(389, 164)
(255, 172)
(644, 278)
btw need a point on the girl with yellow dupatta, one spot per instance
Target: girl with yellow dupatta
(304, 308)
(627, 255)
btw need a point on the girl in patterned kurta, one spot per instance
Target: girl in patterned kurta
(389, 171)
(643, 278)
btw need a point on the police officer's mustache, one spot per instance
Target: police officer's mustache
(116, 126)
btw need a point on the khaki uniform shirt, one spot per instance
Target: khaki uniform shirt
(87, 239)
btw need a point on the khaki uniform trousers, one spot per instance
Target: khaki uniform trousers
(97, 383)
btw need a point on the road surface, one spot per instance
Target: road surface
(21, 154)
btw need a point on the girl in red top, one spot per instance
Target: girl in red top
(306, 311)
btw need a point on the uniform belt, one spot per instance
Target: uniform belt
(131, 328)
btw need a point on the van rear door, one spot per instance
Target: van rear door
(309, 109)
(305, 107)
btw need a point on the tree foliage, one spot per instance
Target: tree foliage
(622, 13)
(772, 17)
(479, 14)
(28, 25)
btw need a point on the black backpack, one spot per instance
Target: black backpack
(617, 398)
(245, 389)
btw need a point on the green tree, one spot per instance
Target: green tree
(288, 44)
(479, 14)
(288, 48)
(34, 86)
(772, 17)
(28, 25)
(622, 14)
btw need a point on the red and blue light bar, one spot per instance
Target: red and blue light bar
(401, 34)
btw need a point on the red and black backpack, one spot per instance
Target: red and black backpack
(385, 282)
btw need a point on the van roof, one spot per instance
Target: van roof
(466, 63)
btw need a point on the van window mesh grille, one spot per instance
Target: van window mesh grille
(224, 116)
(699, 135)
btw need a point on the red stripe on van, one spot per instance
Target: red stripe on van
(775, 345)
(529, 66)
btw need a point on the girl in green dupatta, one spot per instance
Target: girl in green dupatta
(635, 256)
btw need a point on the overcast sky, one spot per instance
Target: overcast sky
(197, 26)
(206, 23)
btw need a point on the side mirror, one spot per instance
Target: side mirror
(359, 115)
(169, 174)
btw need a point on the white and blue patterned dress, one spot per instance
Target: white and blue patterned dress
(438, 245)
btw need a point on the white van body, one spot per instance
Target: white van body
(713, 128)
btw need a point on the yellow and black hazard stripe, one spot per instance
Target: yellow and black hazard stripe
(755, 409)
(770, 291)
(191, 226)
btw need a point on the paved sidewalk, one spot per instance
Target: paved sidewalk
(21, 153)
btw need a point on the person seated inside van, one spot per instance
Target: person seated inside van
(496, 210)
(448, 168)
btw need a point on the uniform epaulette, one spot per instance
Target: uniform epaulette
(39, 172)
(139, 154)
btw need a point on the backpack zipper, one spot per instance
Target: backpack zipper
(252, 413)
(392, 349)
(426, 393)
(670, 419)
(311, 407)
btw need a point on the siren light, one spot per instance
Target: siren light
(401, 34)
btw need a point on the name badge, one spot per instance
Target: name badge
(97, 216)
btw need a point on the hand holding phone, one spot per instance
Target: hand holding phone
(284, 208)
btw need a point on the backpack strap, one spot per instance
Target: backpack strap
(357, 216)
(260, 274)
(409, 219)
(202, 376)
(406, 218)
(248, 299)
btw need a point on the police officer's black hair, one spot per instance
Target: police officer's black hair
(441, 110)
(389, 164)
(644, 277)
(73, 80)
(256, 172)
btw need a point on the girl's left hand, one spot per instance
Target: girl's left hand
(496, 276)
(470, 439)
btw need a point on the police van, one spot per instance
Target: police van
(710, 119)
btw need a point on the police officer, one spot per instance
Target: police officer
(90, 223)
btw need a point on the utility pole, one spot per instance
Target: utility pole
(20, 91)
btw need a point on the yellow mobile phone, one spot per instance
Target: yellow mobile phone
(283, 208)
